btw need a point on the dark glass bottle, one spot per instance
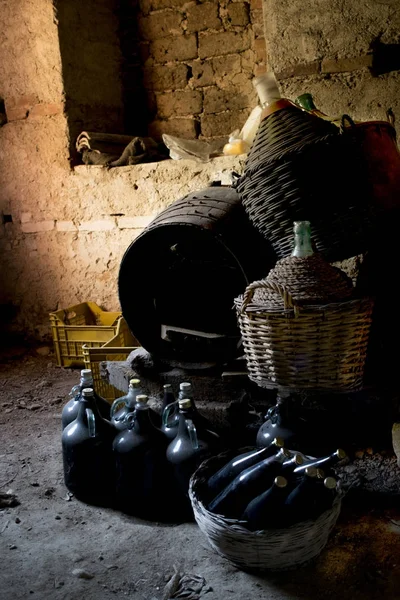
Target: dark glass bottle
(169, 413)
(232, 501)
(326, 491)
(89, 471)
(124, 405)
(192, 444)
(70, 410)
(264, 510)
(326, 462)
(300, 503)
(277, 425)
(141, 474)
(234, 467)
(186, 393)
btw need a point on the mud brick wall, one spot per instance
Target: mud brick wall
(198, 63)
(345, 52)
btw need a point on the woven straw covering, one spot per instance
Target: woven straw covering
(321, 347)
(299, 168)
(269, 550)
(309, 280)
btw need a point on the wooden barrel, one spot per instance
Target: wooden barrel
(179, 277)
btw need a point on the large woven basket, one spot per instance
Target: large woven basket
(267, 550)
(313, 346)
(302, 168)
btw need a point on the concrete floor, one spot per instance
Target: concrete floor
(49, 535)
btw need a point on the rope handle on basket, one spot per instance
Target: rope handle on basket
(270, 286)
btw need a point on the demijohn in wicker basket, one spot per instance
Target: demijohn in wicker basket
(267, 550)
(303, 167)
(302, 328)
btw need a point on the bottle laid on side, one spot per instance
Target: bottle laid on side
(306, 101)
(70, 410)
(142, 479)
(325, 495)
(326, 462)
(192, 444)
(264, 511)
(125, 405)
(232, 501)
(89, 470)
(300, 505)
(169, 413)
(234, 467)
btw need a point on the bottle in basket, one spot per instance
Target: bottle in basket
(141, 473)
(301, 503)
(71, 409)
(232, 501)
(325, 495)
(169, 413)
(192, 444)
(264, 510)
(326, 462)
(89, 470)
(125, 405)
(234, 467)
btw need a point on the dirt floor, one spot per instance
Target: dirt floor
(54, 547)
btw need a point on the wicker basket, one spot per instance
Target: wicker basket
(269, 550)
(301, 167)
(315, 346)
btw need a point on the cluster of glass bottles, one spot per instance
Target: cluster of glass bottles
(130, 456)
(273, 487)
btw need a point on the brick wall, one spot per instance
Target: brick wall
(198, 60)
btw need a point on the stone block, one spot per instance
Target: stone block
(256, 4)
(66, 226)
(257, 21)
(225, 68)
(169, 49)
(340, 65)
(215, 125)
(202, 16)
(179, 127)
(134, 222)
(238, 13)
(300, 70)
(46, 110)
(226, 42)
(173, 104)
(26, 217)
(260, 50)
(167, 77)
(217, 100)
(202, 74)
(39, 227)
(97, 225)
(160, 24)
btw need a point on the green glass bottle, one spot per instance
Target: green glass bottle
(302, 239)
(306, 101)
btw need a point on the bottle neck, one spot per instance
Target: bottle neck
(267, 89)
(142, 421)
(168, 399)
(131, 397)
(302, 240)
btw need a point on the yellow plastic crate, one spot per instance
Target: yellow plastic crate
(118, 348)
(81, 324)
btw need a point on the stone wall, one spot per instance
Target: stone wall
(199, 59)
(345, 52)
